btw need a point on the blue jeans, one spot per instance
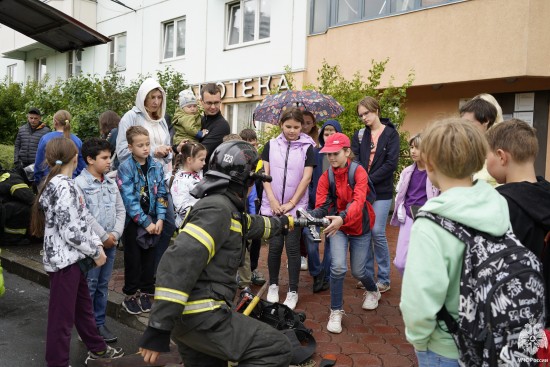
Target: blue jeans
(430, 359)
(168, 228)
(358, 249)
(98, 285)
(314, 263)
(380, 243)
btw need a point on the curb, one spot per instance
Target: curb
(34, 271)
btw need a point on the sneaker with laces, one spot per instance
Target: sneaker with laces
(145, 302)
(383, 287)
(303, 263)
(371, 300)
(106, 334)
(257, 278)
(335, 321)
(273, 293)
(131, 305)
(291, 300)
(110, 353)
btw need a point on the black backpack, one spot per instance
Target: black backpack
(501, 305)
(371, 197)
(282, 318)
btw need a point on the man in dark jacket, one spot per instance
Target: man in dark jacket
(213, 121)
(196, 279)
(28, 137)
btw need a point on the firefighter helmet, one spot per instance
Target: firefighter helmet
(234, 160)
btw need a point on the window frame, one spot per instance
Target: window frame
(174, 22)
(257, 22)
(10, 72)
(332, 11)
(74, 63)
(113, 52)
(39, 64)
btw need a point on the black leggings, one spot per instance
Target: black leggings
(292, 244)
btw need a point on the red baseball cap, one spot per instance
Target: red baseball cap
(335, 142)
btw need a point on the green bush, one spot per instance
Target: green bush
(6, 156)
(84, 96)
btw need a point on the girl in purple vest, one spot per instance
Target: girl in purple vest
(413, 189)
(289, 159)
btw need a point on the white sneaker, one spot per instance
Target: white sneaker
(335, 321)
(371, 300)
(273, 293)
(291, 300)
(303, 263)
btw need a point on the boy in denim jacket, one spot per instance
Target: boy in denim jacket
(141, 185)
(107, 211)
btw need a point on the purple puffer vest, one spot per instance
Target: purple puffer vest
(286, 179)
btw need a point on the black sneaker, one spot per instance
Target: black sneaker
(131, 305)
(107, 335)
(145, 302)
(110, 352)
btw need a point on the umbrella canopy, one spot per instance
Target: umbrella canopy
(321, 105)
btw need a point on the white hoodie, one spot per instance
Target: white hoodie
(158, 129)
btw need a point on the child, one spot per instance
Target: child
(187, 119)
(513, 147)
(413, 189)
(351, 222)
(289, 159)
(452, 150)
(257, 278)
(107, 211)
(60, 216)
(141, 184)
(320, 271)
(188, 172)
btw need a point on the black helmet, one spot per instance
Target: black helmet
(234, 160)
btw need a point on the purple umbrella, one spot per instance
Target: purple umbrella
(321, 105)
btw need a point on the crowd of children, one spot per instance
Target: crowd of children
(83, 220)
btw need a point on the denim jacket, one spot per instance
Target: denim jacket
(131, 181)
(104, 204)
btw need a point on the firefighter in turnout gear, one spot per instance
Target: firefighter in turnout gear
(196, 279)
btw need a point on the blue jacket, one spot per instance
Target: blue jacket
(385, 159)
(319, 158)
(41, 168)
(131, 181)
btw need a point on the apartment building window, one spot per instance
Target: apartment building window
(10, 72)
(327, 13)
(40, 69)
(248, 21)
(174, 39)
(239, 115)
(74, 64)
(117, 52)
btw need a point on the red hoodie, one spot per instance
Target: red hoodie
(349, 203)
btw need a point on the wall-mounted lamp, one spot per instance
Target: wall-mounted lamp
(511, 80)
(436, 86)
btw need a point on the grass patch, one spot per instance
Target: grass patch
(6, 156)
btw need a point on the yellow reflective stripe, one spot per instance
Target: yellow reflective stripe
(236, 226)
(18, 186)
(267, 228)
(248, 221)
(202, 305)
(202, 236)
(4, 176)
(171, 295)
(15, 230)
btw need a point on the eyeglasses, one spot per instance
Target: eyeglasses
(210, 104)
(363, 115)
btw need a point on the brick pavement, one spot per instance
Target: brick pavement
(368, 338)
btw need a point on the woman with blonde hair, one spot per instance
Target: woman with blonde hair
(62, 128)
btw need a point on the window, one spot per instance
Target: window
(117, 52)
(248, 21)
(10, 72)
(74, 65)
(174, 39)
(327, 13)
(239, 115)
(40, 69)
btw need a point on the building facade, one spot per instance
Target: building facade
(456, 49)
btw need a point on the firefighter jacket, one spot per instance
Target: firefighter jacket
(16, 199)
(198, 273)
